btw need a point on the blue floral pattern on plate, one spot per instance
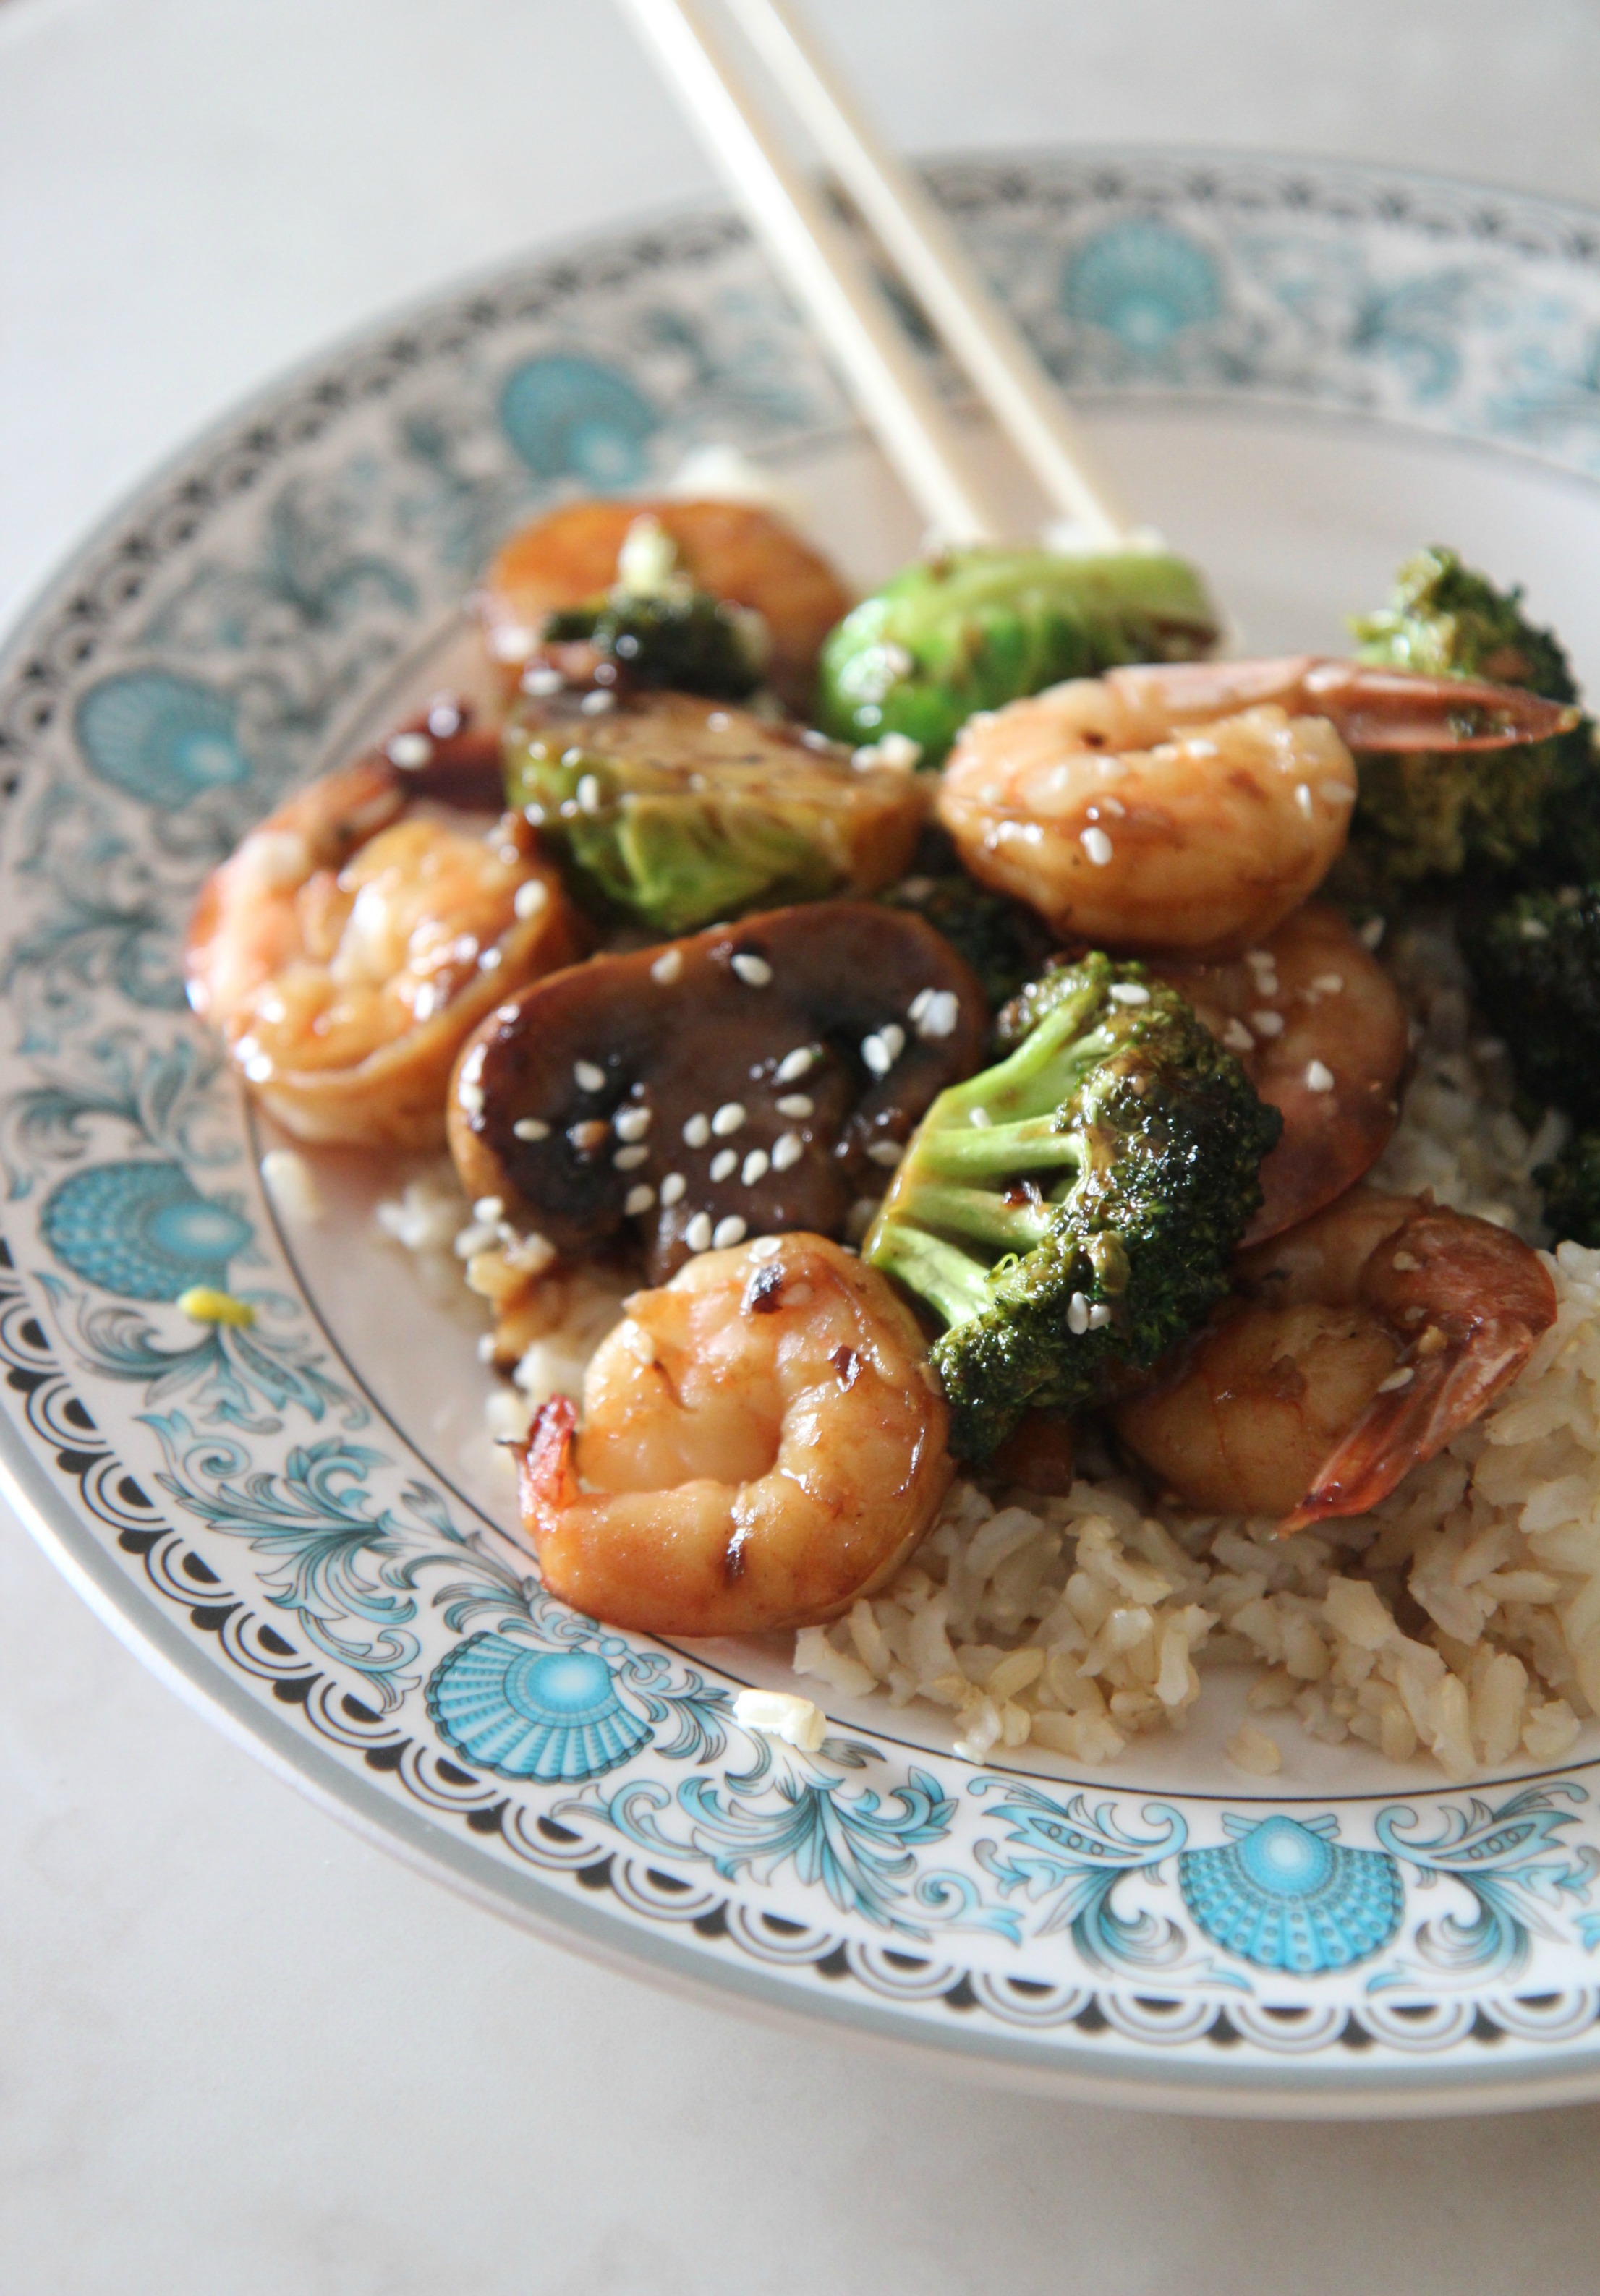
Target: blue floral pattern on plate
(239, 1500)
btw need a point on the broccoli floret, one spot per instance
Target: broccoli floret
(1521, 812)
(688, 641)
(977, 629)
(1536, 965)
(1572, 1185)
(1072, 1212)
(1005, 943)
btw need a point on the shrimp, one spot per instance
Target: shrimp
(1362, 1342)
(733, 551)
(1321, 1032)
(1190, 806)
(355, 939)
(763, 1441)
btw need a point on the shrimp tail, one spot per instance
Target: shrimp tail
(548, 1478)
(1405, 710)
(1400, 1431)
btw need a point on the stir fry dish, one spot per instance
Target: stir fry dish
(948, 1095)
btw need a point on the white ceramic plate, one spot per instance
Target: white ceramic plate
(1299, 372)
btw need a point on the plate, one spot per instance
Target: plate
(1299, 372)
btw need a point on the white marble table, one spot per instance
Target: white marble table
(238, 2050)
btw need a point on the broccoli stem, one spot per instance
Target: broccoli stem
(941, 1273)
(978, 1152)
(985, 1217)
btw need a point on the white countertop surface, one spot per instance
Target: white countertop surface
(239, 2050)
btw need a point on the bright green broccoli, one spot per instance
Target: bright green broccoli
(977, 629)
(1536, 965)
(1522, 812)
(1572, 1187)
(1072, 1212)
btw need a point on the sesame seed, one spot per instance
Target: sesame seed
(797, 1103)
(529, 1128)
(542, 680)
(1319, 1077)
(766, 1247)
(755, 1167)
(939, 1014)
(717, 721)
(638, 1200)
(1128, 992)
(1098, 846)
(887, 1153)
(595, 705)
(729, 1231)
(1397, 1380)
(753, 971)
(728, 1118)
(1372, 932)
(470, 1094)
(875, 1051)
(1100, 1315)
(723, 1163)
(1533, 929)
(588, 794)
(486, 1348)
(697, 1236)
(1078, 1315)
(589, 1078)
(1304, 799)
(924, 996)
(697, 1131)
(893, 1038)
(1266, 1024)
(529, 899)
(628, 1160)
(632, 1123)
(488, 959)
(1329, 984)
(490, 1209)
(410, 750)
(795, 1064)
(672, 1188)
(511, 643)
(1407, 1262)
(667, 967)
(980, 1118)
(1237, 1037)
(787, 1149)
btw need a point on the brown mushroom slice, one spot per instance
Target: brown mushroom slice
(755, 1079)
(675, 810)
(733, 551)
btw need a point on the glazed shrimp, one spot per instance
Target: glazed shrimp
(732, 550)
(763, 1441)
(1321, 1032)
(1363, 1341)
(1190, 806)
(352, 942)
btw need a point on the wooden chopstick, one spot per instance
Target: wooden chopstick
(825, 273)
(934, 264)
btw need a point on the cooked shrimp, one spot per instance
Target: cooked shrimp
(1364, 1339)
(1190, 806)
(763, 1441)
(731, 550)
(1319, 1029)
(355, 939)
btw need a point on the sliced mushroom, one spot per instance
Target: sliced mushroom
(756, 1079)
(675, 810)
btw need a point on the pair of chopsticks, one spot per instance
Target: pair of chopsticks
(825, 272)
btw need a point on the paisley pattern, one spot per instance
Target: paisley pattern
(240, 1500)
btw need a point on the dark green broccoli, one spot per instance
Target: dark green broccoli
(1572, 1187)
(1536, 965)
(977, 629)
(1005, 943)
(1072, 1212)
(685, 639)
(1522, 812)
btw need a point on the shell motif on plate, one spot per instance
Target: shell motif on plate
(533, 1713)
(1284, 1896)
(143, 1230)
